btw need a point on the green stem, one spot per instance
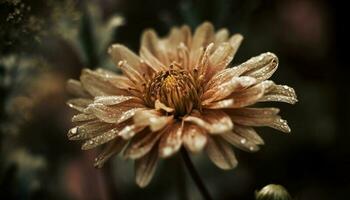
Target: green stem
(195, 176)
(181, 179)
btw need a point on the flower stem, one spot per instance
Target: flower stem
(181, 179)
(194, 175)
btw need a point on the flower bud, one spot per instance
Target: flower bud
(272, 192)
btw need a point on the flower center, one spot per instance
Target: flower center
(174, 88)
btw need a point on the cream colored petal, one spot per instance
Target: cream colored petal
(160, 106)
(101, 139)
(235, 42)
(203, 36)
(129, 131)
(260, 67)
(89, 130)
(145, 168)
(249, 133)
(259, 117)
(240, 142)
(227, 88)
(151, 60)
(186, 35)
(220, 153)
(115, 100)
(113, 148)
(79, 104)
(221, 57)
(150, 40)
(221, 36)
(183, 57)
(155, 46)
(98, 84)
(281, 93)
(175, 38)
(255, 112)
(214, 121)
(247, 97)
(194, 59)
(226, 103)
(119, 52)
(142, 143)
(74, 87)
(112, 114)
(171, 141)
(152, 118)
(137, 78)
(83, 117)
(194, 138)
(221, 77)
(199, 60)
(118, 81)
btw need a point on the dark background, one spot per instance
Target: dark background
(45, 42)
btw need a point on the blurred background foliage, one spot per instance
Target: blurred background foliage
(45, 42)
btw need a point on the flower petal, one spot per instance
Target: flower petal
(98, 84)
(154, 119)
(235, 42)
(259, 117)
(79, 104)
(220, 153)
(142, 143)
(112, 148)
(129, 131)
(244, 98)
(186, 35)
(112, 114)
(101, 139)
(174, 39)
(160, 106)
(226, 103)
(145, 168)
(214, 121)
(83, 117)
(249, 133)
(171, 141)
(137, 78)
(150, 40)
(119, 52)
(224, 54)
(194, 138)
(118, 81)
(178, 36)
(240, 142)
(114, 100)
(281, 93)
(89, 130)
(227, 88)
(74, 87)
(203, 36)
(152, 61)
(221, 36)
(260, 67)
(221, 57)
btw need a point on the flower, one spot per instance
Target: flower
(180, 91)
(272, 192)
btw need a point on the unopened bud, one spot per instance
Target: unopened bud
(272, 192)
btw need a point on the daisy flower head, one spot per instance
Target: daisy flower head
(178, 92)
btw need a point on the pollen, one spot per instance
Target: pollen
(174, 88)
